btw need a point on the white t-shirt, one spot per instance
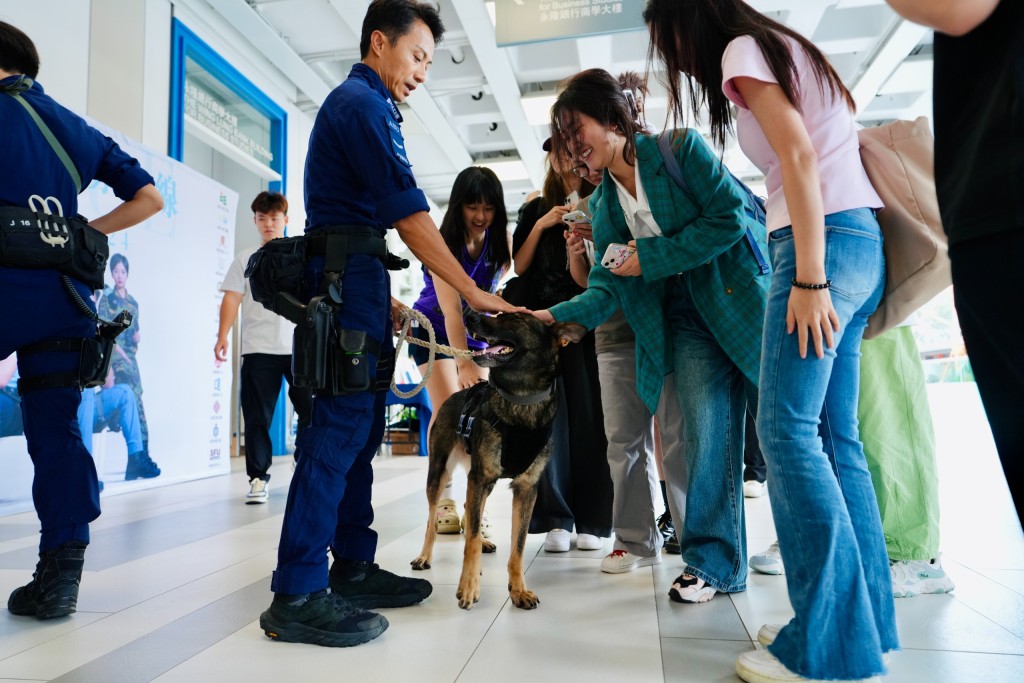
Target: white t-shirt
(262, 330)
(830, 126)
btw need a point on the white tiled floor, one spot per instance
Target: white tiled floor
(177, 576)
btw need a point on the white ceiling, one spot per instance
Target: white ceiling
(471, 108)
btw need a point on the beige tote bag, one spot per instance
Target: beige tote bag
(899, 158)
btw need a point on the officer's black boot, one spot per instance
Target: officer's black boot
(140, 466)
(53, 591)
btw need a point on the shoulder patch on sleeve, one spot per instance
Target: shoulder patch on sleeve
(397, 141)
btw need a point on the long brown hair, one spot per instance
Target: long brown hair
(690, 37)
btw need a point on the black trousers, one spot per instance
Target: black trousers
(261, 383)
(989, 296)
(576, 487)
(754, 467)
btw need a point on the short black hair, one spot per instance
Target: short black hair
(394, 18)
(268, 202)
(17, 51)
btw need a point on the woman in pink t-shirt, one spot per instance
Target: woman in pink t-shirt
(795, 121)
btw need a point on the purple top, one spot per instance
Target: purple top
(485, 274)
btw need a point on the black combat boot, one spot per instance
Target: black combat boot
(53, 591)
(141, 466)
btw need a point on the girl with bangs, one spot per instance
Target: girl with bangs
(475, 228)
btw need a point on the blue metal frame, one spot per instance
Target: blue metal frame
(186, 44)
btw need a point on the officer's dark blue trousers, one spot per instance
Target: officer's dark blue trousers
(65, 492)
(329, 499)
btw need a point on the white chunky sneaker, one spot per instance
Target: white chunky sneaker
(918, 577)
(258, 491)
(768, 561)
(761, 666)
(557, 541)
(589, 542)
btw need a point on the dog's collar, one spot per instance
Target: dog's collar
(527, 400)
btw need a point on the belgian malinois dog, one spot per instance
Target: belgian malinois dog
(498, 429)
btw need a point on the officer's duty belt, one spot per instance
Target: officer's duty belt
(336, 242)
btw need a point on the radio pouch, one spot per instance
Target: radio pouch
(312, 344)
(352, 371)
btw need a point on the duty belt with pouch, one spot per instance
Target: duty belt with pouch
(330, 360)
(39, 236)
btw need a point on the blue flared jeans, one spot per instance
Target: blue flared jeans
(826, 514)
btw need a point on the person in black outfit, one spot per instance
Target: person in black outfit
(979, 172)
(576, 488)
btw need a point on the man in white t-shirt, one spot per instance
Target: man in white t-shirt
(266, 351)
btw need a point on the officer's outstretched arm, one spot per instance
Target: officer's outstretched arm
(146, 202)
(424, 240)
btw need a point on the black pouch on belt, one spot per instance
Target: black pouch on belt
(352, 371)
(313, 340)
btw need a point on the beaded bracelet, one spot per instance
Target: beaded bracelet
(806, 285)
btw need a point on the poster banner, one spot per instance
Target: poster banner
(531, 21)
(166, 396)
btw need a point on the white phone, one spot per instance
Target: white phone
(573, 197)
(574, 217)
(616, 254)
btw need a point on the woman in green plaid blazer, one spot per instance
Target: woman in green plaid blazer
(693, 293)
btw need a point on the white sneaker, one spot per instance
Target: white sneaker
(589, 542)
(258, 490)
(447, 518)
(918, 577)
(753, 489)
(620, 562)
(557, 541)
(768, 561)
(760, 666)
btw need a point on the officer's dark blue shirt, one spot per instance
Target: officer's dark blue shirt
(357, 169)
(28, 164)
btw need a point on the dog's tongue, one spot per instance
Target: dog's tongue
(495, 350)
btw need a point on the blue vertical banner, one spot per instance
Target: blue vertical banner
(531, 21)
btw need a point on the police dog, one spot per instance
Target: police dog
(498, 429)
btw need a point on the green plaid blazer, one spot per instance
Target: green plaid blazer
(704, 240)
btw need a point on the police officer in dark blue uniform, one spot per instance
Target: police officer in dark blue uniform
(358, 181)
(40, 316)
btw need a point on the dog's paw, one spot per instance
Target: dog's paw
(488, 547)
(524, 599)
(468, 593)
(421, 563)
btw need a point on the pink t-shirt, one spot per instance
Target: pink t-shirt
(829, 123)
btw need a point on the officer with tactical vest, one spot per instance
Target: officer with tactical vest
(50, 262)
(358, 183)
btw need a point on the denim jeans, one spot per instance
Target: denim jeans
(823, 502)
(713, 395)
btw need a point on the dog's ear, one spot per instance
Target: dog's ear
(569, 333)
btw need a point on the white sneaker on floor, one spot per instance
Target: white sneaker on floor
(918, 577)
(258, 491)
(754, 489)
(760, 666)
(768, 561)
(589, 542)
(620, 562)
(557, 541)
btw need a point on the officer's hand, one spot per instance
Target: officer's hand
(396, 314)
(483, 302)
(220, 350)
